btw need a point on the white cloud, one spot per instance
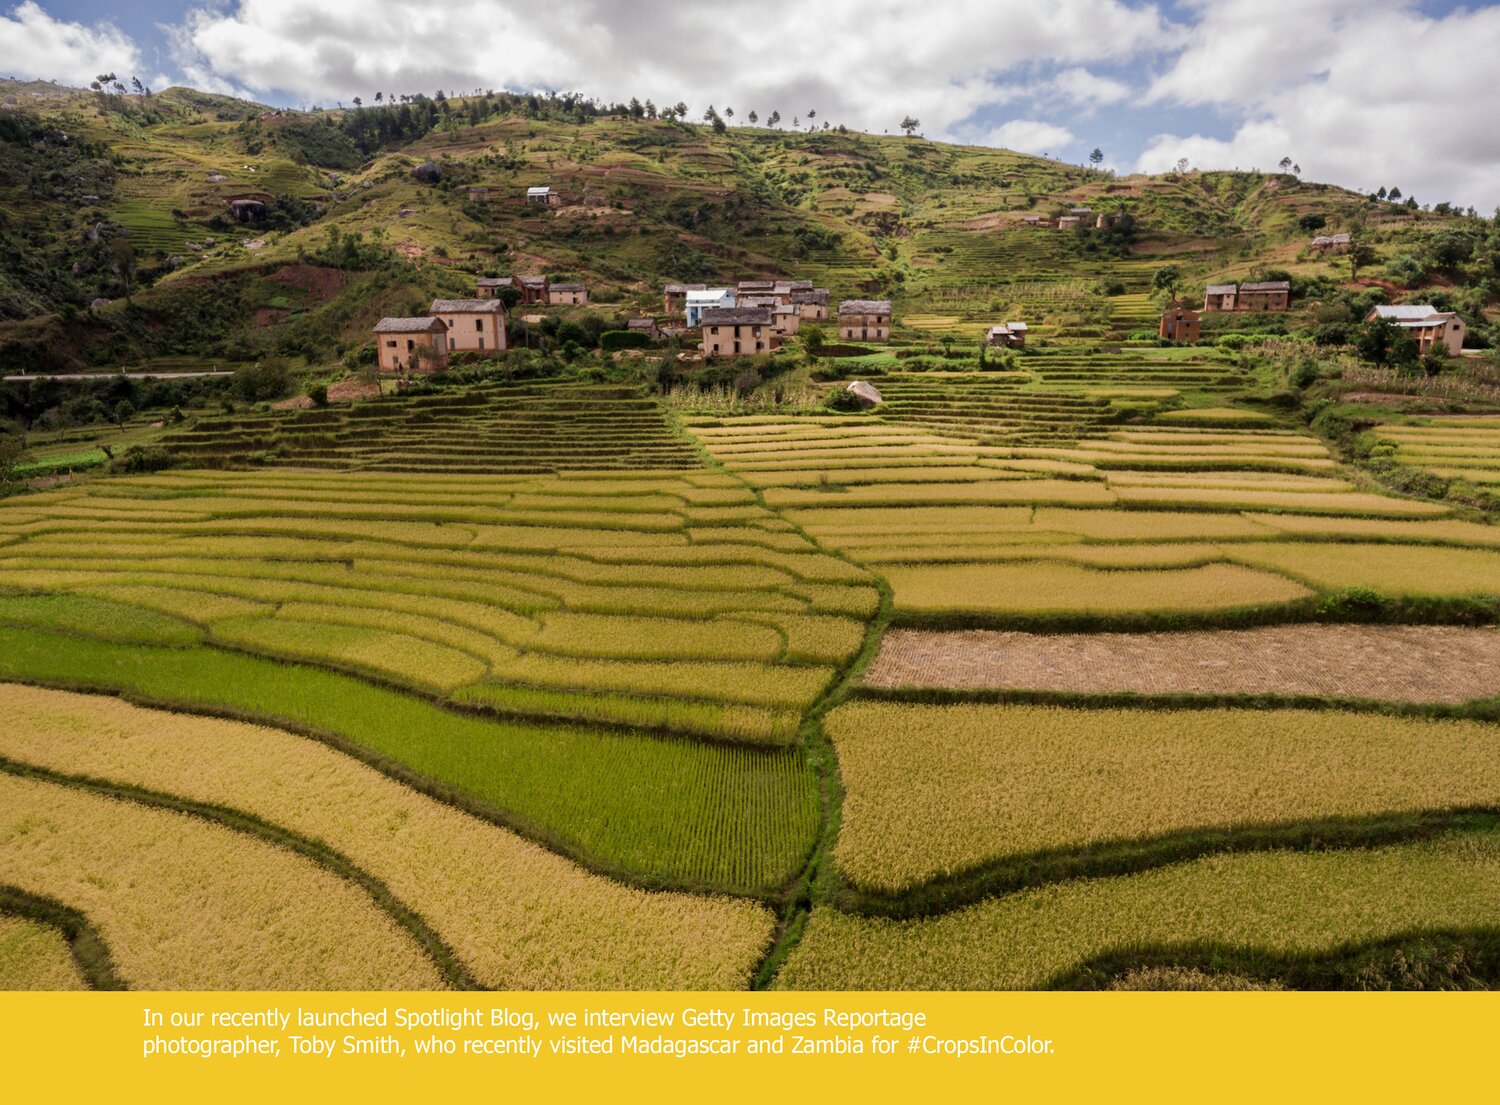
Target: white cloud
(1030, 136)
(34, 45)
(1367, 94)
(1079, 86)
(865, 64)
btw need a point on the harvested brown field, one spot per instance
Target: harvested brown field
(1386, 663)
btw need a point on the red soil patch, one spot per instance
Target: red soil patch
(1447, 664)
(321, 284)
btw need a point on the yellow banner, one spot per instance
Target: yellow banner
(714, 1048)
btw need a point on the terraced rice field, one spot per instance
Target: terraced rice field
(516, 916)
(512, 689)
(542, 602)
(934, 791)
(262, 917)
(1268, 910)
(518, 428)
(1151, 520)
(1453, 447)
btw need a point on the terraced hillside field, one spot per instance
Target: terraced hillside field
(669, 709)
(522, 428)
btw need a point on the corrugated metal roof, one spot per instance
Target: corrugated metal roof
(1406, 311)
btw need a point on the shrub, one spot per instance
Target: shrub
(142, 458)
(318, 393)
(611, 340)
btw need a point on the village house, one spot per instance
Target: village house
(756, 287)
(865, 320)
(1066, 221)
(1424, 322)
(1330, 243)
(674, 297)
(646, 326)
(533, 289)
(708, 299)
(1268, 295)
(1219, 297)
(488, 287)
(1179, 323)
(1035, 220)
(736, 331)
(570, 295)
(786, 319)
(1009, 334)
(543, 196)
(411, 344)
(478, 193)
(474, 325)
(812, 303)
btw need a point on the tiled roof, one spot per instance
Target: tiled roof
(466, 307)
(567, 287)
(1267, 286)
(736, 316)
(682, 289)
(1221, 289)
(817, 296)
(410, 325)
(865, 307)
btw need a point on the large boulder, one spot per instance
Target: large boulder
(429, 172)
(866, 395)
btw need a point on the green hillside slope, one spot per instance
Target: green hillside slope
(128, 198)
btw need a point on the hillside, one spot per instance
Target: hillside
(127, 197)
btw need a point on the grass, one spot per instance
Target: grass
(262, 918)
(933, 791)
(659, 812)
(518, 916)
(1263, 906)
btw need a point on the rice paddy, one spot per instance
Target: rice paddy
(261, 918)
(558, 686)
(516, 915)
(1265, 907)
(34, 956)
(932, 791)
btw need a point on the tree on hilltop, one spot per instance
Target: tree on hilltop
(910, 125)
(1096, 157)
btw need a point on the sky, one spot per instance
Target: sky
(1362, 93)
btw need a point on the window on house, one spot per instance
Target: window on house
(452, 343)
(392, 344)
(479, 324)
